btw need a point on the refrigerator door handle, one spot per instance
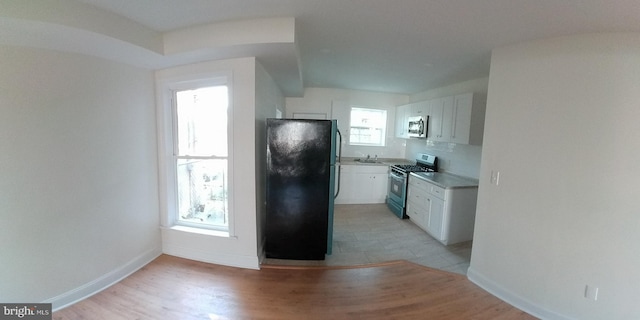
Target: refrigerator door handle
(339, 145)
(338, 163)
(338, 186)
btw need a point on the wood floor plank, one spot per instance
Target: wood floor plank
(175, 288)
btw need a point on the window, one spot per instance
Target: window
(367, 127)
(200, 157)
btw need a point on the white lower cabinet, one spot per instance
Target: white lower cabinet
(435, 223)
(361, 184)
(418, 208)
(448, 215)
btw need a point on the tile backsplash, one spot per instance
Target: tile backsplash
(460, 159)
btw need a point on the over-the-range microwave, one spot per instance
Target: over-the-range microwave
(418, 126)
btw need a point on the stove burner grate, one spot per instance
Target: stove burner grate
(410, 168)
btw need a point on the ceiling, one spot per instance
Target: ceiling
(399, 46)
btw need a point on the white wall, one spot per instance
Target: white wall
(78, 174)
(240, 248)
(562, 129)
(461, 159)
(336, 104)
(479, 85)
(269, 98)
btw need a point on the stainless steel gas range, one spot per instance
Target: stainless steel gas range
(398, 181)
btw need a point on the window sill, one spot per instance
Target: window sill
(206, 232)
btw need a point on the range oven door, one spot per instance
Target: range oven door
(397, 187)
(396, 195)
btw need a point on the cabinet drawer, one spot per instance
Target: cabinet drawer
(419, 184)
(417, 215)
(436, 191)
(417, 198)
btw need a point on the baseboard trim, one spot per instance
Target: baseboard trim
(512, 298)
(247, 262)
(89, 289)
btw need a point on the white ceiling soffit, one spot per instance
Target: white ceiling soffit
(399, 46)
(106, 35)
(271, 41)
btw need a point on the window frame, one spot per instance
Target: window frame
(168, 152)
(177, 156)
(383, 128)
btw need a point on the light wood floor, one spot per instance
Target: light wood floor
(175, 288)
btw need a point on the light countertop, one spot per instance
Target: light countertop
(351, 161)
(446, 180)
(441, 179)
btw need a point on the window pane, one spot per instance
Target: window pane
(367, 126)
(201, 164)
(361, 117)
(202, 121)
(365, 136)
(202, 195)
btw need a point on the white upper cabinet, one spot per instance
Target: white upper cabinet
(440, 119)
(420, 108)
(455, 119)
(403, 112)
(461, 118)
(467, 119)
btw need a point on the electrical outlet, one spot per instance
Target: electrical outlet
(591, 292)
(495, 177)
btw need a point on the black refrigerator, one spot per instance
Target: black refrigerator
(301, 162)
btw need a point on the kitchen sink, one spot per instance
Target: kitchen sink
(367, 161)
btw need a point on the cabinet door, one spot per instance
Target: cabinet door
(379, 183)
(420, 108)
(441, 115)
(363, 184)
(417, 215)
(348, 186)
(435, 119)
(435, 220)
(461, 123)
(447, 119)
(402, 122)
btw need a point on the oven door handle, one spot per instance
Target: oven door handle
(396, 175)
